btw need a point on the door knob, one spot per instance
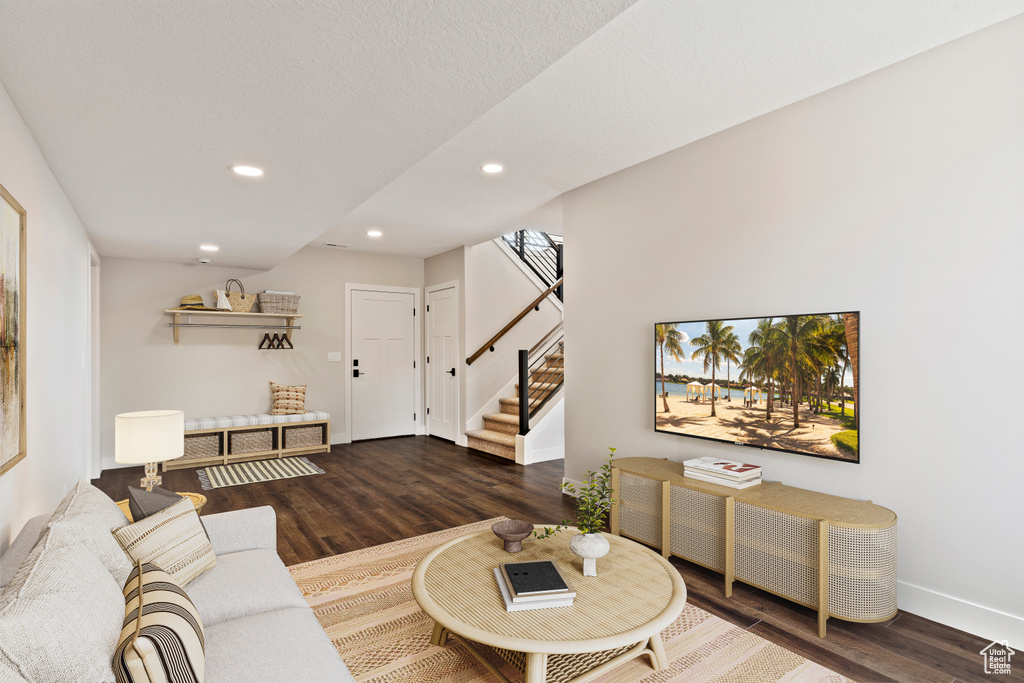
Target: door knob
(452, 371)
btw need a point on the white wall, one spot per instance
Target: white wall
(221, 371)
(900, 195)
(58, 384)
(496, 291)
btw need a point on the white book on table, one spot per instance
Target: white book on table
(721, 482)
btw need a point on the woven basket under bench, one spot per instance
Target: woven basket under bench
(224, 442)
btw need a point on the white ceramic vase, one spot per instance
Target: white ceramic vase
(589, 547)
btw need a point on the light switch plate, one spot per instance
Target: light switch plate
(334, 356)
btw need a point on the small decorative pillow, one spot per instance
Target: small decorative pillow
(173, 539)
(166, 643)
(143, 503)
(288, 400)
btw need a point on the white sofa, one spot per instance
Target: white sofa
(257, 625)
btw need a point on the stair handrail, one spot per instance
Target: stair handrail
(536, 302)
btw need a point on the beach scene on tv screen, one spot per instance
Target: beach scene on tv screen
(788, 383)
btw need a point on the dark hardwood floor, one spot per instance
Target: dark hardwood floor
(379, 491)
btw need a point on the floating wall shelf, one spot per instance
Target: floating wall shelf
(289, 320)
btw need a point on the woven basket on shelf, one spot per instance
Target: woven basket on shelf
(205, 446)
(252, 442)
(282, 304)
(240, 301)
(303, 437)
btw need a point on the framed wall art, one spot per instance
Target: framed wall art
(12, 331)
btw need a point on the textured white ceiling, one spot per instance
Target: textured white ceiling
(380, 113)
(141, 107)
(663, 74)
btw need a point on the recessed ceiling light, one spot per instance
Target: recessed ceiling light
(209, 247)
(250, 171)
(492, 168)
(374, 233)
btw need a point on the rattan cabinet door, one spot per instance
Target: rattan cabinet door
(777, 551)
(698, 527)
(640, 508)
(862, 573)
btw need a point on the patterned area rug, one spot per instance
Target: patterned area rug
(364, 601)
(219, 476)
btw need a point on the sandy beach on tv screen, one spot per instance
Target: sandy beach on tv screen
(734, 422)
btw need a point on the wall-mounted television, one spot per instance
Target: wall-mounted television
(784, 383)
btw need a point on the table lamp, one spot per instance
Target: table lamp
(149, 437)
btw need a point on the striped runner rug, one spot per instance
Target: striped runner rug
(235, 474)
(364, 601)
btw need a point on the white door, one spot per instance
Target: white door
(442, 363)
(383, 364)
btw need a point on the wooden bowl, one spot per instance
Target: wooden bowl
(512, 532)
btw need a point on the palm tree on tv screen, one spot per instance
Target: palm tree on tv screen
(836, 331)
(711, 345)
(762, 358)
(831, 347)
(797, 333)
(832, 381)
(668, 338)
(851, 325)
(731, 350)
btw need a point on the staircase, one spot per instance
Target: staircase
(542, 253)
(498, 437)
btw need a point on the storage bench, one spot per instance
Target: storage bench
(236, 438)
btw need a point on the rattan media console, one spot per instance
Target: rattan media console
(831, 554)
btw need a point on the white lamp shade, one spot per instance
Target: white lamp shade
(149, 436)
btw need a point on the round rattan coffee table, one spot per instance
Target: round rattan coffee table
(616, 616)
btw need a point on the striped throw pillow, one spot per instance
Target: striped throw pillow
(173, 539)
(288, 400)
(162, 638)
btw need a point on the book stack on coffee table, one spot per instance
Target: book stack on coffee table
(533, 585)
(735, 475)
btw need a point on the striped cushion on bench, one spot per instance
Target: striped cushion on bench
(195, 423)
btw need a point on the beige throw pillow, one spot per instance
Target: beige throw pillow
(167, 643)
(288, 400)
(60, 615)
(172, 539)
(90, 515)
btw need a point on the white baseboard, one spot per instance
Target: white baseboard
(546, 454)
(986, 622)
